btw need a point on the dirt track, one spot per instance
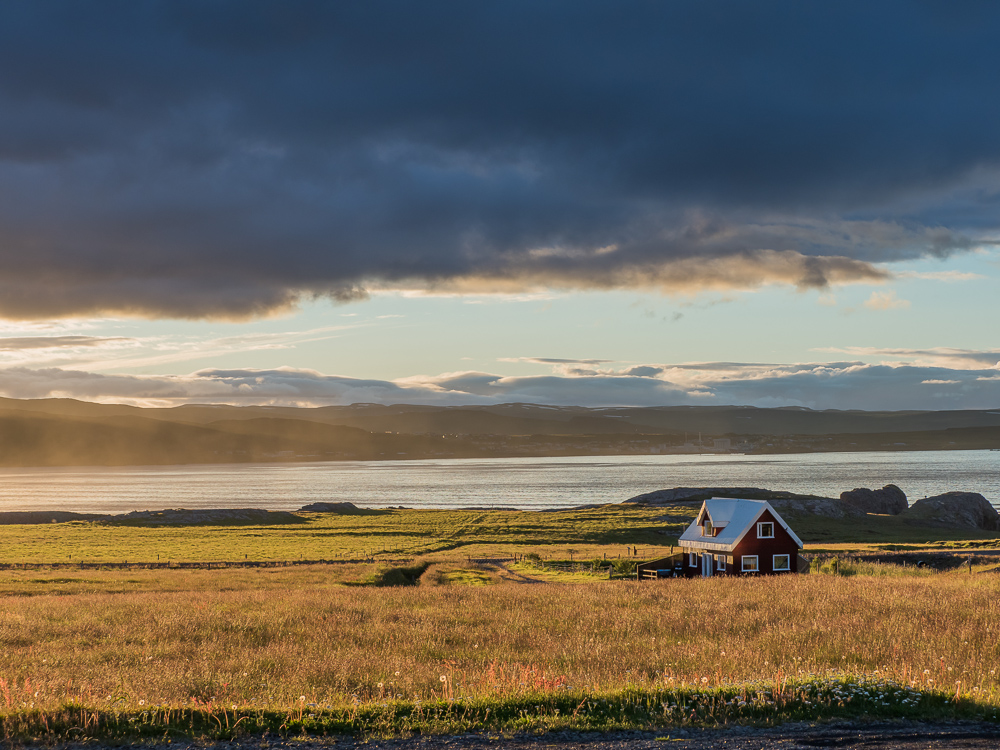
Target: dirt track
(842, 736)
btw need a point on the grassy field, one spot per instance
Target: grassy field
(382, 533)
(613, 530)
(292, 645)
(328, 648)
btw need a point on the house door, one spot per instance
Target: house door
(706, 565)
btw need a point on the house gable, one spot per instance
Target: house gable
(765, 549)
(770, 514)
(732, 520)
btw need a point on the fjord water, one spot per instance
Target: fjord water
(523, 483)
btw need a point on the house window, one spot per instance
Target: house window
(782, 562)
(720, 562)
(706, 528)
(693, 559)
(765, 530)
(750, 564)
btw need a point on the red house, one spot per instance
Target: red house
(739, 537)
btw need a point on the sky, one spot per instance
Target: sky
(601, 204)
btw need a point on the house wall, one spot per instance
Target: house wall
(765, 549)
(695, 571)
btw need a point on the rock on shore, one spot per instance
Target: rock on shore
(783, 502)
(344, 508)
(218, 516)
(890, 500)
(171, 517)
(957, 509)
(952, 509)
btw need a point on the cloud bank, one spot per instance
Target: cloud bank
(231, 159)
(836, 385)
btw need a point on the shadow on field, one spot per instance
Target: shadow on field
(401, 576)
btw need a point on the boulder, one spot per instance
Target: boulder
(344, 508)
(890, 500)
(962, 509)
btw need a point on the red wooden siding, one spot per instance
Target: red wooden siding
(765, 549)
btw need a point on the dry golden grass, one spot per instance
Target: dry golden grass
(63, 581)
(272, 646)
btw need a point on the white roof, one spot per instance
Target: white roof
(734, 518)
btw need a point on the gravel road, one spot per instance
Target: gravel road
(842, 736)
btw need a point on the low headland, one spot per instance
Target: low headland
(340, 621)
(65, 432)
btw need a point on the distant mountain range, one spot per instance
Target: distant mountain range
(57, 432)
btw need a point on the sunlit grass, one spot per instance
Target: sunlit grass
(107, 652)
(331, 644)
(612, 531)
(327, 536)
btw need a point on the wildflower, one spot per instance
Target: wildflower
(380, 686)
(397, 673)
(302, 699)
(142, 703)
(704, 680)
(443, 678)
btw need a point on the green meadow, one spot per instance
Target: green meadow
(456, 621)
(609, 531)
(374, 533)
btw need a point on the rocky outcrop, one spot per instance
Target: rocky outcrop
(783, 502)
(210, 517)
(957, 509)
(344, 509)
(46, 516)
(817, 506)
(173, 517)
(697, 494)
(890, 500)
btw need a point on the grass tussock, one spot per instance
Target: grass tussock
(413, 658)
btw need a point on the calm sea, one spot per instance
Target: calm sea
(525, 483)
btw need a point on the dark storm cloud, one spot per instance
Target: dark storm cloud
(231, 158)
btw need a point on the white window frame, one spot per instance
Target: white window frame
(774, 563)
(707, 529)
(760, 530)
(756, 564)
(692, 559)
(720, 562)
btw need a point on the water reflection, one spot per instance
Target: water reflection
(526, 483)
